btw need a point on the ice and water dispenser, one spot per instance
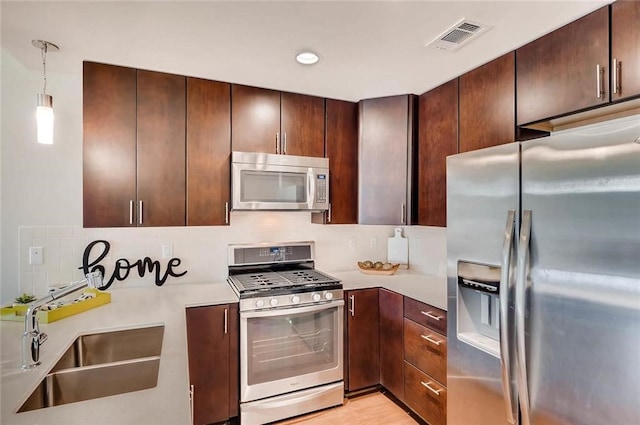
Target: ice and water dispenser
(479, 306)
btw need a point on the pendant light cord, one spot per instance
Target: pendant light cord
(44, 67)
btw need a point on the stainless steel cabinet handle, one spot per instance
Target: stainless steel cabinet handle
(430, 339)
(617, 77)
(226, 321)
(522, 289)
(140, 213)
(284, 143)
(600, 81)
(191, 394)
(428, 386)
(431, 315)
(131, 211)
(403, 219)
(226, 213)
(352, 306)
(277, 142)
(506, 332)
(329, 215)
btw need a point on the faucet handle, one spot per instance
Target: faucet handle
(42, 337)
(94, 279)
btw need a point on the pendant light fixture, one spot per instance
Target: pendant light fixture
(44, 109)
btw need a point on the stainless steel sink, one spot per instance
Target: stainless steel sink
(101, 365)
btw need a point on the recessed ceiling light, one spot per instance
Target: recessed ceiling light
(307, 58)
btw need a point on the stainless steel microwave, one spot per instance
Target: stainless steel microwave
(263, 181)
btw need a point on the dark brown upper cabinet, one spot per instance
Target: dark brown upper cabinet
(342, 151)
(625, 49)
(437, 139)
(208, 152)
(387, 188)
(109, 145)
(487, 105)
(566, 70)
(133, 147)
(161, 149)
(269, 121)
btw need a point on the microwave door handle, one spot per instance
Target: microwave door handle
(311, 191)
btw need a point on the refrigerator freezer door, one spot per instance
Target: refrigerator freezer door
(482, 187)
(583, 304)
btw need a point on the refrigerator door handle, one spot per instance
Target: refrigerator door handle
(522, 290)
(505, 343)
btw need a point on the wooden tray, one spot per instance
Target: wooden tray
(388, 272)
(17, 313)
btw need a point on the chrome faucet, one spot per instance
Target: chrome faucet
(32, 338)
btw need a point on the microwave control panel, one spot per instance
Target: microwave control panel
(321, 188)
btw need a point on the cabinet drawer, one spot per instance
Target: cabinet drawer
(425, 396)
(426, 315)
(426, 349)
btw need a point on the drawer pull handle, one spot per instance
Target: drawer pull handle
(431, 340)
(430, 388)
(431, 315)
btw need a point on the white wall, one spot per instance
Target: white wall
(41, 205)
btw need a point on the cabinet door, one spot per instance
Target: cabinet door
(302, 125)
(342, 151)
(363, 339)
(438, 138)
(386, 155)
(161, 149)
(426, 396)
(208, 152)
(487, 104)
(212, 339)
(625, 49)
(557, 72)
(391, 348)
(255, 119)
(109, 145)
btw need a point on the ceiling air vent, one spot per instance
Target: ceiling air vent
(458, 35)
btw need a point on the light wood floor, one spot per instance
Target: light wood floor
(369, 409)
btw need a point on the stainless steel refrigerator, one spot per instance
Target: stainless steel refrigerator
(543, 244)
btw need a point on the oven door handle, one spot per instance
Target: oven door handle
(295, 310)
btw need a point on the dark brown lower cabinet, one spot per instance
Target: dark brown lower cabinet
(362, 359)
(213, 344)
(391, 347)
(425, 396)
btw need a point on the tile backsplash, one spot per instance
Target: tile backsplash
(203, 250)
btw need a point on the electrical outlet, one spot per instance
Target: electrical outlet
(36, 255)
(167, 251)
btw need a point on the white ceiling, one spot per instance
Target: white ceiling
(367, 49)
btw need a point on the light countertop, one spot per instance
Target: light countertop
(429, 289)
(168, 402)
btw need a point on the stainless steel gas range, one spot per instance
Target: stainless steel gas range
(291, 331)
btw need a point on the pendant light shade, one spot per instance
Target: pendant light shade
(44, 118)
(44, 102)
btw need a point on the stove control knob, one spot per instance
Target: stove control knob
(273, 302)
(315, 297)
(295, 299)
(260, 303)
(328, 296)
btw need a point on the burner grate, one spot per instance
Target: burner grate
(272, 279)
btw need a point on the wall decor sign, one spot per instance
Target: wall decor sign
(123, 267)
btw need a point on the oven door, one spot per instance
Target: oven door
(285, 350)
